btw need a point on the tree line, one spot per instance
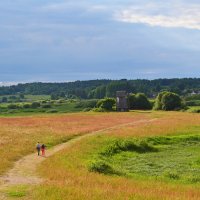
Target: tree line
(98, 89)
(167, 101)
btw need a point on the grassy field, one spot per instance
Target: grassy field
(166, 173)
(174, 158)
(46, 106)
(150, 160)
(36, 97)
(19, 135)
(29, 97)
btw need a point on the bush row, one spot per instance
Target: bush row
(33, 105)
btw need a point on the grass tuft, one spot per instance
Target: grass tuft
(17, 191)
(118, 146)
(101, 167)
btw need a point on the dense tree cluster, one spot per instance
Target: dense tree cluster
(139, 102)
(168, 101)
(97, 89)
(106, 104)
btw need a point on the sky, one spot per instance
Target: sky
(67, 40)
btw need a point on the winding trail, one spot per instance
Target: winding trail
(24, 171)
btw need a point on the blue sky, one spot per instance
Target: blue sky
(65, 40)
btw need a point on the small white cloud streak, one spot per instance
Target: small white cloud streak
(178, 16)
(8, 83)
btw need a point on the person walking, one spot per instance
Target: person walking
(43, 147)
(38, 147)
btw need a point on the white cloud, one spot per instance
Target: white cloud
(8, 83)
(164, 15)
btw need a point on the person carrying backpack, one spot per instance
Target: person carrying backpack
(38, 147)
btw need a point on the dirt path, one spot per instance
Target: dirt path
(24, 171)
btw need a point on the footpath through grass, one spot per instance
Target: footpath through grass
(158, 160)
(19, 135)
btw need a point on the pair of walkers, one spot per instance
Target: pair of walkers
(39, 148)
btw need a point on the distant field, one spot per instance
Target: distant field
(17, 106)
(37, 97)
(46, 106)
(30, 97)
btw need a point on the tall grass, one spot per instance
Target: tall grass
(19, 135)
(67, 175)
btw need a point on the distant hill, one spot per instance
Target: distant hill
(101, 88)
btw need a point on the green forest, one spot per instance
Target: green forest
(97, 89)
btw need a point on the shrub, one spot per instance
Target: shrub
(46, 106)
(117, 146)
(54, 96)
(100, 167)
(60, 101)
(86, 104)
(168, 101)
(11, 111)
(139, 102)
(35, 105)
(132, 100)
(4, 100)
(13, 106)
(193, 103)
(52, 111)
(193, 97)
(12, 97)
(87, 109)
(98, 110)
(106, 104)
(171, 101)
(21, 96)
(158, 104)
(27, 105)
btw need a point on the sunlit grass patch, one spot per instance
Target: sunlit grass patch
(165, 158)
(17, 191)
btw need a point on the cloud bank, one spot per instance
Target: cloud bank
(69, 40)
(171, 15)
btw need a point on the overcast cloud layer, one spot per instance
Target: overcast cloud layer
(64, 40)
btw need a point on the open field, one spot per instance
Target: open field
(68, 173)
(31, 107)
(156, 159)
(19, 135)
(29, 97)
(49, 107)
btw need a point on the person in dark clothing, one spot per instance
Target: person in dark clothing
(38, 147)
